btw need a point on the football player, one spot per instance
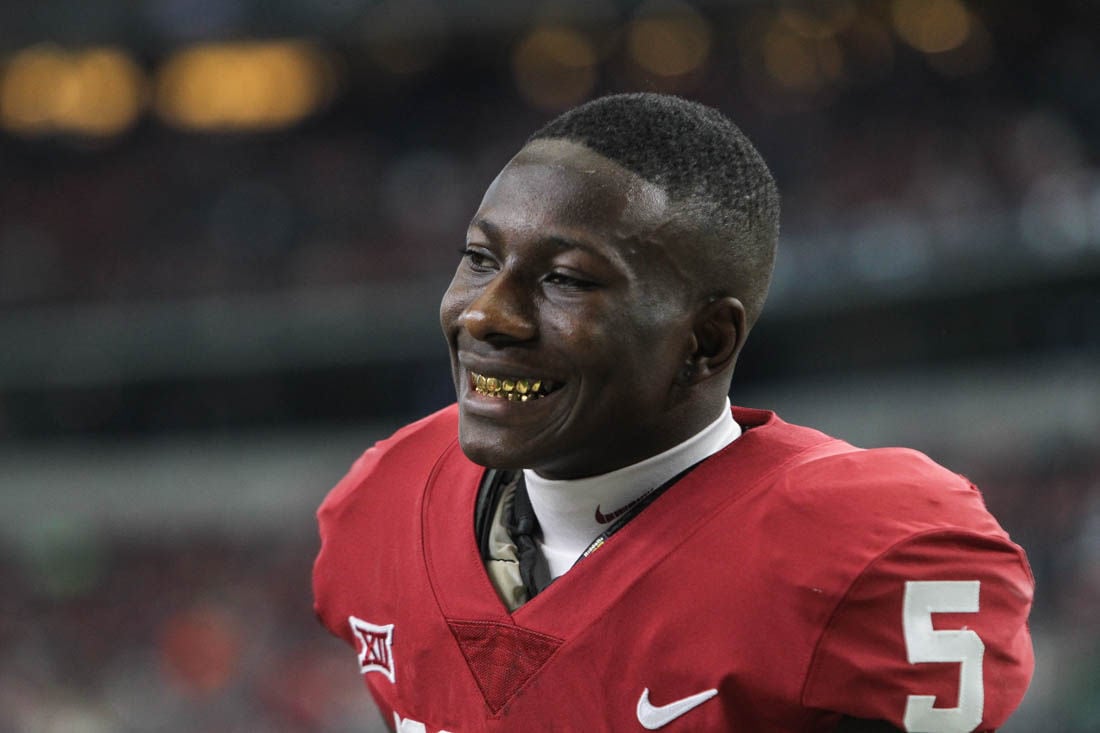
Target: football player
(593, 539)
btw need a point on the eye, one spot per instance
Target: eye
(478, 261)
(569, 281)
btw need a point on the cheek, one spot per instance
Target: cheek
(648, 356)
(588, 335)
(610, 350)
(451, 307)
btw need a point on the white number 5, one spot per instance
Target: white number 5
(925, 644)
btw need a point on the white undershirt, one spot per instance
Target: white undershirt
(566, 510)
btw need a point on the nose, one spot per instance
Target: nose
(501, 312)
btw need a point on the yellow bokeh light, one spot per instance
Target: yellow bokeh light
(240, 86)
(799, 63)
(790, 61)
(96, 92)
(25, 100)
(820, 19)
(931, 26)
(670, 39)
(971, 57)
(555, 67)
(112, 92)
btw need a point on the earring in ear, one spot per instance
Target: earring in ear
(687, 371)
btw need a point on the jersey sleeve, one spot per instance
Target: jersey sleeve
(355, 505)
(932, 636)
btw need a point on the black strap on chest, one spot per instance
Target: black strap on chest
(520, 522)
(523, 525)
(489, 493)
(523, 528)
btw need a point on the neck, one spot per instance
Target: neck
(574, 512)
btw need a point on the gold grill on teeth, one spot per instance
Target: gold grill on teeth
(515, 390)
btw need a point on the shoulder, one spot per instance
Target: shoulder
(895, 538)
(827, 480)
(409, 453)
(369, 523)
(808, 483)
(838, 516)
(899, 491)
(886, 508)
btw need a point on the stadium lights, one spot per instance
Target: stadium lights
(101, 91)
(94, 92)
(931, 26)
(243, 86)
(798, 62)
(555, 67)
(820, 20)
(669, 39)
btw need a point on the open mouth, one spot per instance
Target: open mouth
(513, 389)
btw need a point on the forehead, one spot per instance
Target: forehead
(561, 188)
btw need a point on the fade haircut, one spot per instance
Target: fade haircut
(718, 184)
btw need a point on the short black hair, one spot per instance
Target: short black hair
(712, 174)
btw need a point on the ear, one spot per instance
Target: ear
(718, 334)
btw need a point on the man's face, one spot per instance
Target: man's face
(568, 318)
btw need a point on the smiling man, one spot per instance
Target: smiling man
(592, 539)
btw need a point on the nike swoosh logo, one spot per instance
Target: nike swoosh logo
(653, 717)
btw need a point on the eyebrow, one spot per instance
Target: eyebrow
(493, 232)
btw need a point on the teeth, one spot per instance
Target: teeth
(514, 390)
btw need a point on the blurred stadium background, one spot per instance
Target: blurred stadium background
(225, 226)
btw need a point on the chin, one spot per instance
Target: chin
(491, 454)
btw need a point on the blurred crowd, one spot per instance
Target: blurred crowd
(898, 171)
(1050, 503)
(106, 634)
(892, 198)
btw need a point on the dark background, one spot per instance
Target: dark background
(225, 226)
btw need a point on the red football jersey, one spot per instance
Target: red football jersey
(788, 580)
